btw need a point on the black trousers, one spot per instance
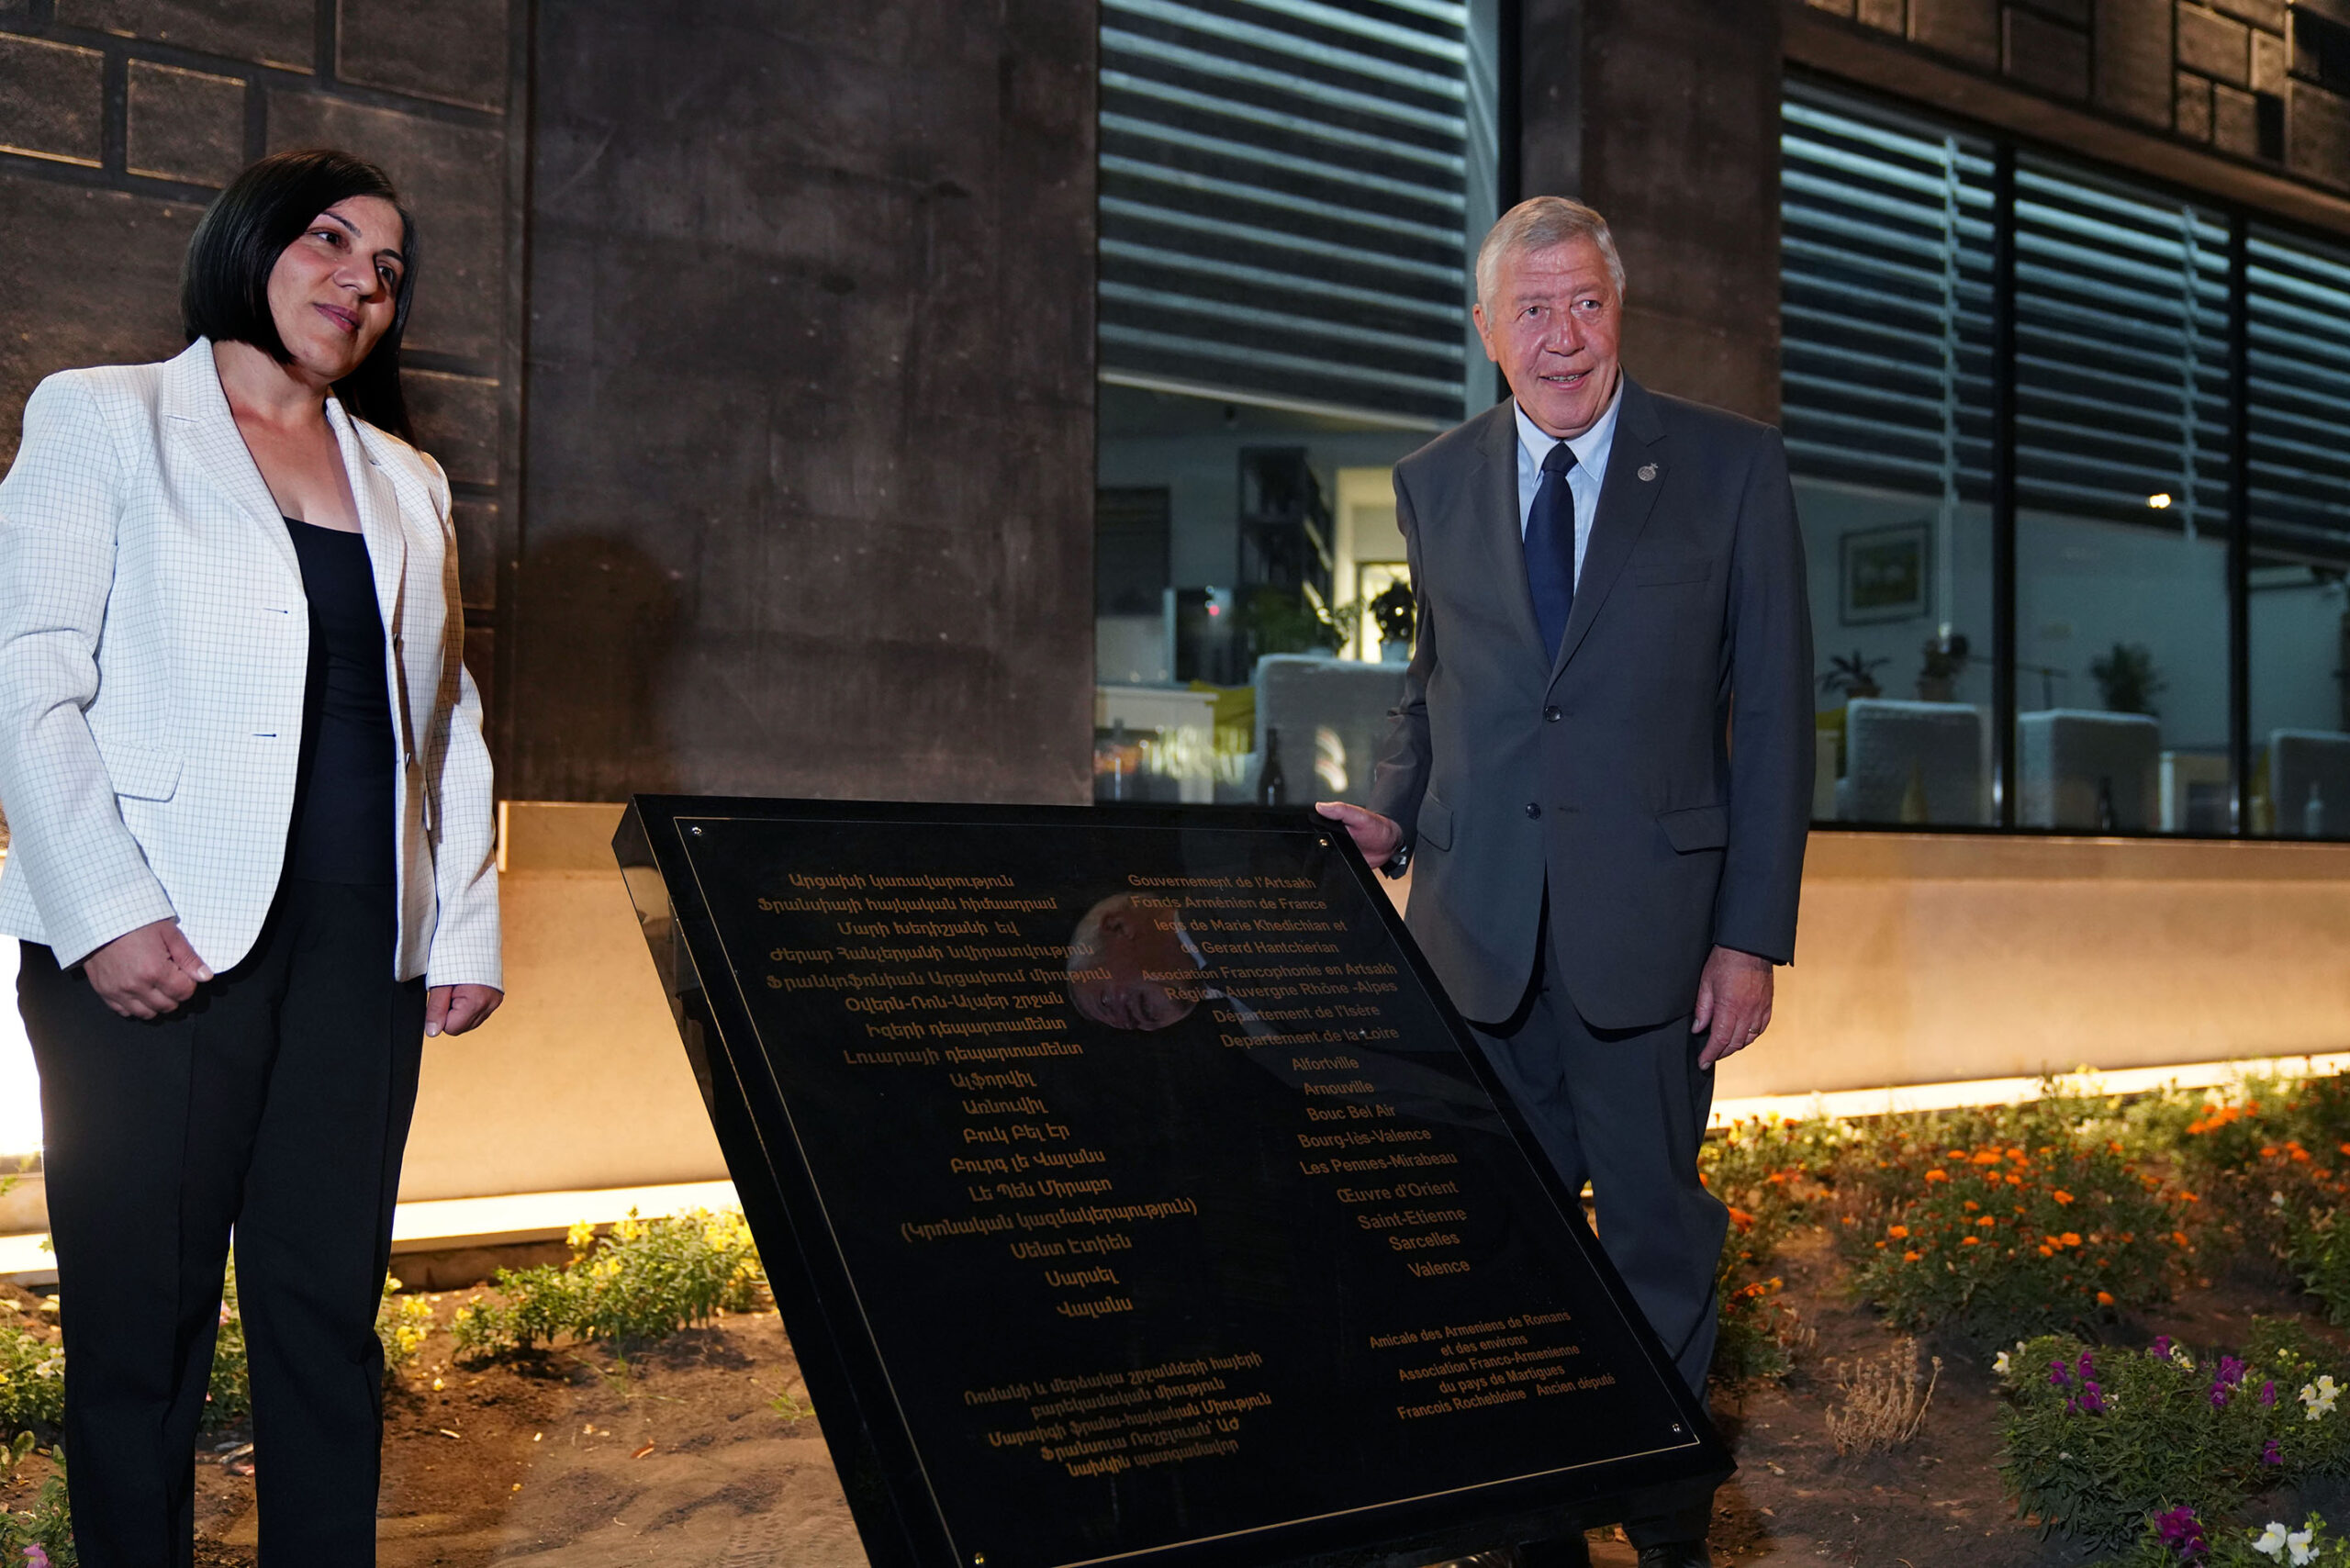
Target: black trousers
(275, 1103)
(1626, 1111)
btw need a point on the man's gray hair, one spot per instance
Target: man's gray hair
(1536, 224)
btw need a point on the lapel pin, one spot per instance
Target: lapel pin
(1648, 470)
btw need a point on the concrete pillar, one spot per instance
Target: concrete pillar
(1664, 114)
(810, 443)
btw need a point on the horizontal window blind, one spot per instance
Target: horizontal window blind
(1885, 299)
(2122, 352)
(2298, 409)
(1282, 200)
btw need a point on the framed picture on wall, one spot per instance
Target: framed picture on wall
(1882, 574)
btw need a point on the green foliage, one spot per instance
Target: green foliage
(2126, 679)
(2008, 1221)
(643, 1283)
(2272, 1157)
(401, 1323)
(1281, 622)
(42, 1534)
(1763, 1170)
(32, 1364)
(32, 1380)
(2099, 1440)
(2310, 1545)
(1394, 610)
(229, 1396)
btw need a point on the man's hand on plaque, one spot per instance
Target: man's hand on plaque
(1375, 836)
(1733, 1003)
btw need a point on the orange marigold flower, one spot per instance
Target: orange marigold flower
(2179, 1237)
(1909, 1257)
(2105, 1298)
(2072, 1239)
(1970, 1242)
(1986, 1219)
(2061, 1195)
(1991, 1156)
(2047, 1252)
(1971, 1205)
(1896, 1231)
(1937, 1175)
(1741, 1218)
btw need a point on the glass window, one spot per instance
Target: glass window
(1288, 192)
(2298, 417)
(2122, 454)
(1885, 314)
(1997, 361)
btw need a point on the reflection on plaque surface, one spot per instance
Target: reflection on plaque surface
(1130, 1193)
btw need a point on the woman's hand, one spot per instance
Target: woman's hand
(146, 973)
(454, 1009)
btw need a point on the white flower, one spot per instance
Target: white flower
(2320, 1396)
(2277, 1200)
(2181, 1358)
(2271, 1542)
(1999, 1363)
(2297, 1543)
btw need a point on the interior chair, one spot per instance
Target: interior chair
(2074, 765)
(1911, 762)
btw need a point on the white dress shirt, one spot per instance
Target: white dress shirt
(1584, 479)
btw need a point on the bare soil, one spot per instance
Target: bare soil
(699, 1454)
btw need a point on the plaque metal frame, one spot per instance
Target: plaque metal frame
(873, 1450)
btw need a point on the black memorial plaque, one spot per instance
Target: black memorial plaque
(1132, 1193)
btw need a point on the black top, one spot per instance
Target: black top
(344, 798)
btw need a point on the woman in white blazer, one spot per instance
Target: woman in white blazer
(251, 858)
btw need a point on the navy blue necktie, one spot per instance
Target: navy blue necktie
(1551, 547)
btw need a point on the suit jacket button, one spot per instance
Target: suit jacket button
(1551, 714)
(1532, 810)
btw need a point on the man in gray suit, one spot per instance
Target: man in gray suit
(1600, 771)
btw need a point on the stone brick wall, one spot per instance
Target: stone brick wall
(1664, 114)
(810, 424)
(2261, 81)
(119, 120)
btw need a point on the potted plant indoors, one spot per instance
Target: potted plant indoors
(1392, 611)
(1946, 656)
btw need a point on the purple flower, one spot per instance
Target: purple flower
(2160, 1349)
(2231, 1372)
(35, 1557)
(2092, 1400)
(2268, 1392)
(2272, 1454)
(2087, 1369)
(2056, 1378)
(2219, 1394)
(2183, 1533)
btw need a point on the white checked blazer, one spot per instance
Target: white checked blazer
(154, 641)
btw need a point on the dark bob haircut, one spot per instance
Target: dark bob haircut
(224, 286)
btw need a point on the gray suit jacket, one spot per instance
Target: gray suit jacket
(1606, 774)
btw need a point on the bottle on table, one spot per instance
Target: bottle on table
(1272, 785)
